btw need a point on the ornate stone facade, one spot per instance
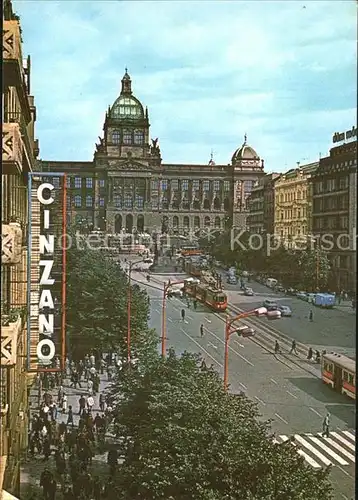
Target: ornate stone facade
(128, 186)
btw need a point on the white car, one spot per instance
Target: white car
(276, 314)
(270, 303)
(285, 310)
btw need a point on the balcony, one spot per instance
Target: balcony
(13, 71)
(10, 330)
(11, 244)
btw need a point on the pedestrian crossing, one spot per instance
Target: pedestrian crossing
(318, 451)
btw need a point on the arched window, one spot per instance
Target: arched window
(139, 201)
(175, 221)
(128, 202)
(186, 221)
(127, 137)
(217, 222)
(226, 204)
(206, 204)
(138, 137)
(196, 221)
(116, 137)
(89, 201)
(117, 201)
(207, 222)
(217, 203)
(78, 201)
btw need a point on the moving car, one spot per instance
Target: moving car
(269, 303)
(284, 310)
(231, 280)
(249, 292)
(245, 331)
(273, 314)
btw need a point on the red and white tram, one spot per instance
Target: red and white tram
(339, 371)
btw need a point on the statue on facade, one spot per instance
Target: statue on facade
(100, 146)
(155, 150)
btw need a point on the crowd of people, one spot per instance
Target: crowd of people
(67, 445)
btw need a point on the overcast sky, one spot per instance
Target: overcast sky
(283, 72)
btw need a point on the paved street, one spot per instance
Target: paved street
(286, 392)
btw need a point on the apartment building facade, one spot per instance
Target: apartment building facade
(334, 186)
(19, 150)
(261, 206)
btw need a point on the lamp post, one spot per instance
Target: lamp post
(261, 311)
(129, 309)
(166, 286)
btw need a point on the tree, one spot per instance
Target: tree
(97, 291)
(315, 269)
(184, 438)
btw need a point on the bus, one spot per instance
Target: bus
(339, 371)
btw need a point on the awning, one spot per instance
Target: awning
(7, 496)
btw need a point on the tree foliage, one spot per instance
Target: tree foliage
(185, 438)
(97, 298)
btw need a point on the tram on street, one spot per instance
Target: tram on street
(339, 371)
(211, 296)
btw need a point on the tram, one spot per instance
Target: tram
(207, 294)
(339, 371)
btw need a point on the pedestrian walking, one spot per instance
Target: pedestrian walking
(293, 348)
(82, 405)
(90, 387)
(326, 423)
(64, 404)
(195, 304)
(183, 314)
(310, 354)
(101, 401)
(70, 416)
(90, 403)
(277, 347)
(310, 316)
(201, 330)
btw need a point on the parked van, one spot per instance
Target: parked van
(271, 282)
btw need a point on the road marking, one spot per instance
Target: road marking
(350, 436)
(260, 401)
(313, 450)
(170, 319)
(212, 345)
(208, 320)
(237, 353)
(202, 348)
(315, 411)
(279, 416)
(290, 393)
(327, 450)
(344, 441)
(189, 317)
(340, 449)
(244, 386)
(157, 310)
(238, 343)
(308, 459)
(186, 322)
(274, 381)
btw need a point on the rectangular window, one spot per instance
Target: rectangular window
(68, 181)
(216, 185)
(78, 182)
(185, 185)
(226, 186)
(154, 185)
(101, 183)
(174, 184)
(56, 182)
(127, 137)
(78, 201)
(206, 185)
(101, 202)
(196, 185)
(138, 137)
(89, 182)
(89, 201)
(164, 184)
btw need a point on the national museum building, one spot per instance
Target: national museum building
(128, 187)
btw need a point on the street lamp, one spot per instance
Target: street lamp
(261, 311)
(166, 287)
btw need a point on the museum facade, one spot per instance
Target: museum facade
(128, 187)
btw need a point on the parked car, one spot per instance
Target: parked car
(269, 303)
(279, 288)
(284, 310)
(271, 282)
(301, 295)
(249, 292)
(291, 291)
(231, 280)
(310, 297)
(274, 314)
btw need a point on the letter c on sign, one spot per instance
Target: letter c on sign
(40, 189)
(45, 357)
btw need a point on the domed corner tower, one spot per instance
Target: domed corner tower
(247, 168)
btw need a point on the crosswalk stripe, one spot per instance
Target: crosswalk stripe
(313, 450)
(327, 450)
(350, 436)
(340, 449)
(342, 440)
(308, 459)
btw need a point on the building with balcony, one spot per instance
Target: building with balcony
(334, 216)
(293, 205)
(128, 187)
(19, 150)
(261, 205)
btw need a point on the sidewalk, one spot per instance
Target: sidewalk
(33, 467)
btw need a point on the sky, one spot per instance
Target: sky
(283, 72)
